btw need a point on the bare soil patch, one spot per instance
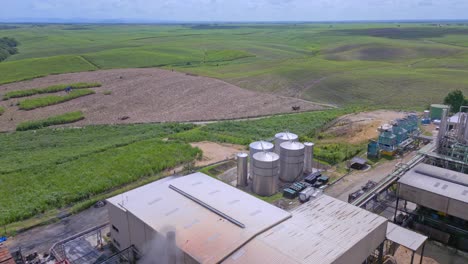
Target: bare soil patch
(361, 127)
(215, 152)
(150, 95)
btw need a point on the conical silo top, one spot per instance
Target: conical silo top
(266, 156)
(291, 145)
(261, 145)
(286, 136)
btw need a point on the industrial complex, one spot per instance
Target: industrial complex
(196, 218)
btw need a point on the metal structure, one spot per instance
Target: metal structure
(82, 247)
(436, 188)
(283, 137)
(258, 146)
(308, 156)
(452, 143)
(291, 161)
(242, 169)
(265, 173)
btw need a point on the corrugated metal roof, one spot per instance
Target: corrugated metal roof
(405, 237)
(324, 230)
(206, 236)
(5, 256)
(435, 185)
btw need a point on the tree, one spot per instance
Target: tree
(455, 99)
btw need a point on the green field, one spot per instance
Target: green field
(49, 169)
(66, 118)
(49, 89)
(399, 66)
(33, 103)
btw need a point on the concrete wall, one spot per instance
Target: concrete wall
(118, 221)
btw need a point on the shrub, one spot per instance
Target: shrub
(50, 89)
(54, 120)
(34, 103)
(107, 92)
(2, 110)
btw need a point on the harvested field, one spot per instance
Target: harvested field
(361, 127)
(150, 95)
(215, 152)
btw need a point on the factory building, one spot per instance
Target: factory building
(198, 219)
(442, 197)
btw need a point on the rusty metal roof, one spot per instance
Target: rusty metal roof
(5, 256)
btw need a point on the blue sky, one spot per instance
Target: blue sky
(234, 10)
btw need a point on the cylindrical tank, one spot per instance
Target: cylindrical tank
(283, 137)
(265, 173)
(258, 146)
(426, 114)
(242, 172)
(292, 161)
(308, 156)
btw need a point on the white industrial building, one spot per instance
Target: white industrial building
(203, 220)
(436, 188)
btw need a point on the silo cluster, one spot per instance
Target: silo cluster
(286, 161)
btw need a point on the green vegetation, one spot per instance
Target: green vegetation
(50, 89)
(2, 110)
(13, 71)
(306, 125)
(455, 99)
(244, 132)
(54, 120)
(7, 47)
(29, 104)
(107, 92)
(398, 66)
(52, 168)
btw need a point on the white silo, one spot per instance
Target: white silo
(265, 173)
(292, 161)
(308, 156)
(258, 146)
(283, 137)
(242, 172)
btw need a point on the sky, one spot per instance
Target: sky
(232, 10)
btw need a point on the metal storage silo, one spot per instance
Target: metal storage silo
(258, 146)
(308, 156)
(242, 169)
(283, 137)
(292, 161)
(265, 173)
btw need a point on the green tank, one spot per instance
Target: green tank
(436, 110)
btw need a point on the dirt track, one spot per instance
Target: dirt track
(150, 95)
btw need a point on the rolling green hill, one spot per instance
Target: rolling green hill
(407, 65)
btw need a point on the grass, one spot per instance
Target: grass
(67, 118)
(2, 110)
(55, 168)
(107, 92)
(244, 132)
(50, 89)
(347, 64)
(29, 104)
(307, 125)
(13, 71)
